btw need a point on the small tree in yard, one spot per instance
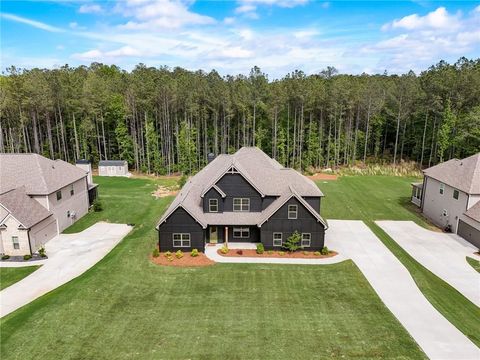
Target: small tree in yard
(293, 242)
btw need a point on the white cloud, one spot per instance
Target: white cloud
(90, 9)
(35, 24)
(229, 20)
(245, 8)
(153, 14)
(439, 19)
(280, 3)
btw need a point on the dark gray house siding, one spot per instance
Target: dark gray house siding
(181, 222)
(267, 201)
(235, 186)
(212, 194)
(305, 223)
(314, 202)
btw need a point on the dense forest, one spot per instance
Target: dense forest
(165, 120)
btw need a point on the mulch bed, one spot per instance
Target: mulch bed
(185, 261)
(321, 176)
(287, 255)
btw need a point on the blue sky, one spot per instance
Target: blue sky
(232, 36)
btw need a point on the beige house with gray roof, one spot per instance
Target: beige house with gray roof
(450, 196)
(39, 198)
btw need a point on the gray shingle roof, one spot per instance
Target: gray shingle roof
(474, 212)
(462, 174)
(265, 174)
(23, 208)
(39, 175)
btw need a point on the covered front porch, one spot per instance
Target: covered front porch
(216, 234)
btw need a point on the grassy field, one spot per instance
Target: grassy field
(475, 263)
(9, 276)
(370, 198)
(125, 307)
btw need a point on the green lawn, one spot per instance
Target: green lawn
(475, 263)
(125, 307)
(9, 276)
(370, 198)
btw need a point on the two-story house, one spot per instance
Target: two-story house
(450, 196)
(39, 198)
(244, 197)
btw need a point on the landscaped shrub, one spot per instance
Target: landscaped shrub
(27, 257)
(324, 250)
(240, 252)
(260, 248)
(170, 258)
(168, 254)
(97, 205)
(224, 249)
(293, 242)
(194, 253)
(179, 254)
(155, 253)
(306, 253)
(281, 253)
(317, 253)
(270, 252)
(5, 257)
(42, 252)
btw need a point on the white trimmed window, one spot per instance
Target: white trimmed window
(213, 205)
(72, 190)
(16, 244)
(277, 239)
(59, 195)
(455, 194)
(306, 239)
(292, 211)
(181, 240)
(241, 204)
(241, 233)
(442, 188)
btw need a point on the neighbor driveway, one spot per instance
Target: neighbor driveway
(442, 254)
(438, 338)
(69, 255)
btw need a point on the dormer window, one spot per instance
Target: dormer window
(241, 204)
(292, 211)
(213, 205)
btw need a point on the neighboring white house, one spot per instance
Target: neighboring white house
(39, 198)
(113, 168)
(450, 196)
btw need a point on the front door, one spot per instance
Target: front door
(213, 234)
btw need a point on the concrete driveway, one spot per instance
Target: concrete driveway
(437, 337)
(442, 254)
(70, 255)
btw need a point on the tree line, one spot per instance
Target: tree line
(165, 120)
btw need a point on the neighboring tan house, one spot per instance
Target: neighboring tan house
(244, 197)
(113, 168)
(450, 196)
(39, 198)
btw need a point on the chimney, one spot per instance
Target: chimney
(210, 157)
(86, 166)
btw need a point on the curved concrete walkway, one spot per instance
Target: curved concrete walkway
(22, 263)
(437, 337)
(211, 253)
(442, 254)
(70, 255)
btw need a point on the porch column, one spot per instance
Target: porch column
(226, 235)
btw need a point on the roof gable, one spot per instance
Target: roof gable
(39, 175)
(462, 174)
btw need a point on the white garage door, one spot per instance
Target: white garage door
(45, 233)
(469, 233)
